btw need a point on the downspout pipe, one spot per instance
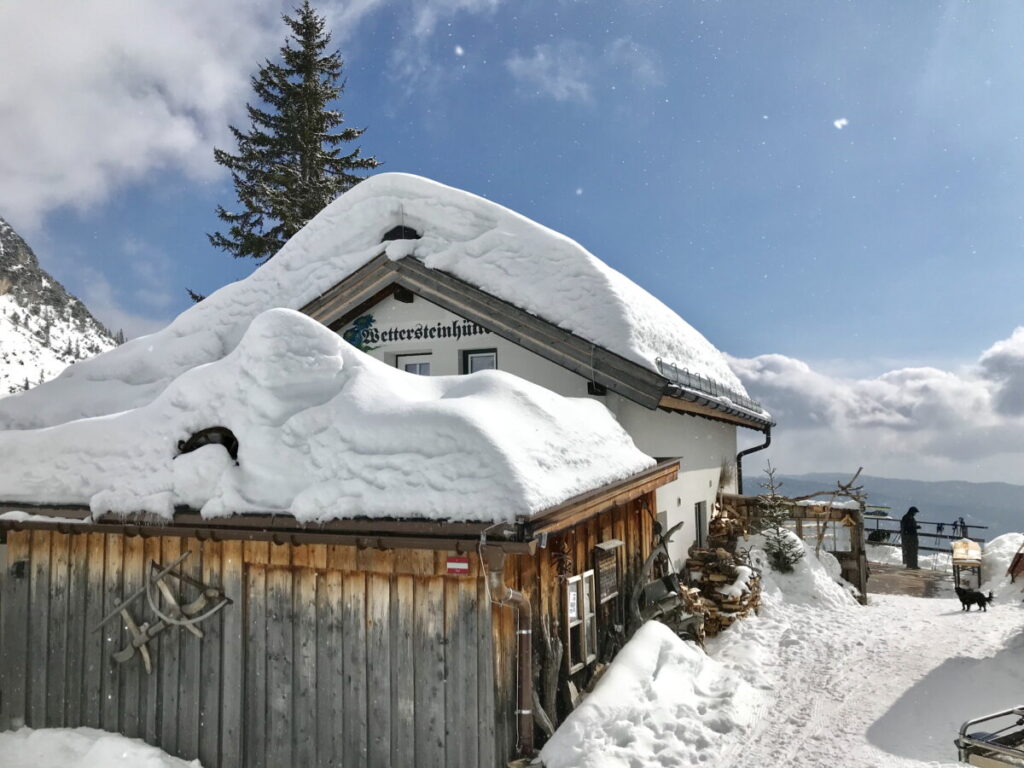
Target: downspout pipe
(755, 449)
(502, 594)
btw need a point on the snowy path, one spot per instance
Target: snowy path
(883, 685)
(814, 681)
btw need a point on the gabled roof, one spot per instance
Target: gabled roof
(382, 276)
(532, 271)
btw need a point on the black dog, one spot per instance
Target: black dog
(969, 597)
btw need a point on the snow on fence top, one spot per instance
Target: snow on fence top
(325, 431)
(478, 241)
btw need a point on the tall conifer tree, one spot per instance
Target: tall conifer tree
(290, 163)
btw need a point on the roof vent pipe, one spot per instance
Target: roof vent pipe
(755, 449)
(503, 594)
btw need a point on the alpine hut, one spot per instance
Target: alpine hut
(257, 538)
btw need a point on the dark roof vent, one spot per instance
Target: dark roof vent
(401, 232)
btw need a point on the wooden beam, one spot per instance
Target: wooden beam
(584, 507)
(697, 409)
(276, 536)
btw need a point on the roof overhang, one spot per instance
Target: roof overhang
(697, 404)
(515, 537)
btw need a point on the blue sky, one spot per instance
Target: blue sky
(835, 183)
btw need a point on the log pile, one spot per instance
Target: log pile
(722, 587)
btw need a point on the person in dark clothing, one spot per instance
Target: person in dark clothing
(908, 538)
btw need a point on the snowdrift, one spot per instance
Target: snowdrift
(81, 748)
(325, 431)
(473, 239)
(815, 581)
(996, 556)
(662, 701)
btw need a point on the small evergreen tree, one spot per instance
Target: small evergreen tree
(289, 164)
(784, 550)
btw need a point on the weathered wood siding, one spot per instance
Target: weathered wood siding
(328, 656)
(568, 552)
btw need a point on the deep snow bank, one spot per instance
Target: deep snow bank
(325, 431)
(474, 239)
(662, 701)
(81, 748)
(995, 561)
(815, 580)
(665, 702)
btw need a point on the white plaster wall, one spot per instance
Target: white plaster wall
(446, 353)
(702, 445)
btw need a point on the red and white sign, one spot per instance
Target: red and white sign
(458, 564)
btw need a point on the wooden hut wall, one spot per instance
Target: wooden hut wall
(329, 655)
(541, 577)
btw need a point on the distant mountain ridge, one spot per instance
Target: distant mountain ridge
(1000, 506)
(43, 328)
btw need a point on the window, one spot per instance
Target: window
(474, 360)
(419, 364)
(580, 621)
(700, 520)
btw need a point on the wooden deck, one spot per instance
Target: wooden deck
(896, 580)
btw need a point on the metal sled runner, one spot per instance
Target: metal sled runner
(997, 748)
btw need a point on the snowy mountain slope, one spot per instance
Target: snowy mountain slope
(43, 328)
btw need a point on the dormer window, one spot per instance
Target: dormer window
(401, 232)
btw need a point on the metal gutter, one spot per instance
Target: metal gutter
(747, 452)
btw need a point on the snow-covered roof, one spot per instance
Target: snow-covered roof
(325, 432)
(480, 242)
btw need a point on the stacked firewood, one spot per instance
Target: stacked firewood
(723, 588)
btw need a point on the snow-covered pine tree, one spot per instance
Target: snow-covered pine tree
(784, 550)
(289, 164)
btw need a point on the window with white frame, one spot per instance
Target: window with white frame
(474, 360)
(419, 364)
(580, 621)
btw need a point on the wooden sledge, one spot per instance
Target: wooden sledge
(993, 749)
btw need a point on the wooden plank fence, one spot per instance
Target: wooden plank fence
(326, 656)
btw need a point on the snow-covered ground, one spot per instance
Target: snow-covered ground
(80, 748)
(815, 680)
(889, 555)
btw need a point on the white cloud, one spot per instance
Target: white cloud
(639, 62)
(841, 123)
(557, 70)
(919, 422)
(107, 305)
(566, 70)
(411, 63)
(99, 94)
(1003, 362)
